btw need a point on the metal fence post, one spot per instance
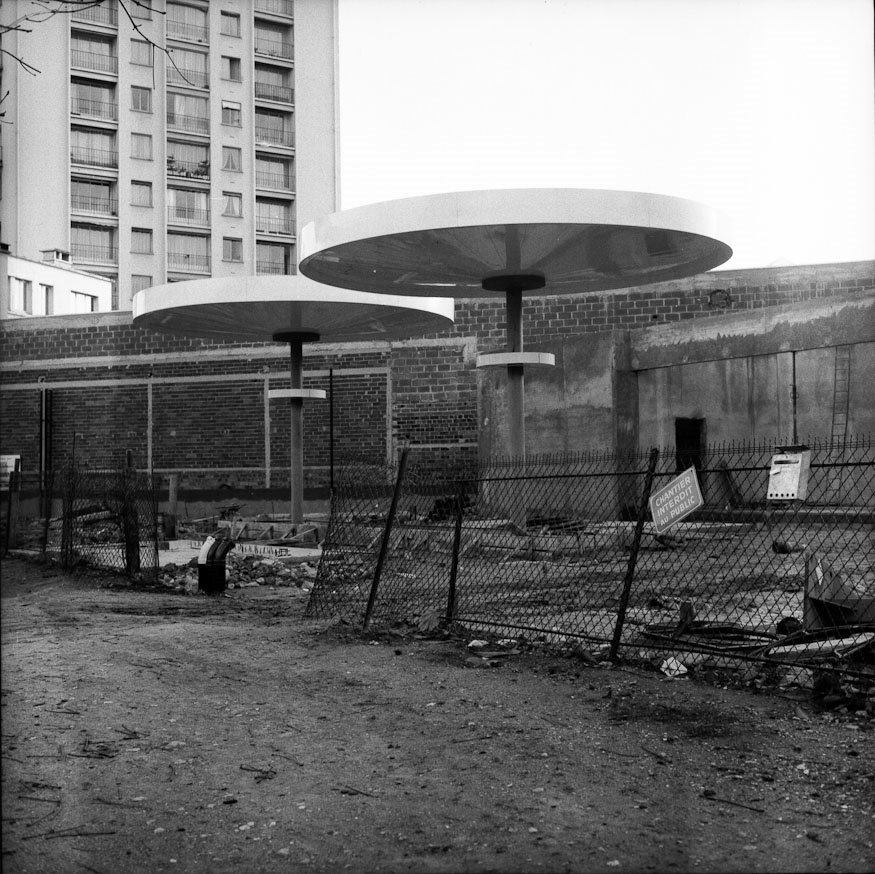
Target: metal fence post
(454, 566)
(633, 555)
(130, 516)
(384, 546)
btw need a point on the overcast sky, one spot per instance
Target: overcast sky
(764, 109)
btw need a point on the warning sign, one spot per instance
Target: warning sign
(676, 501)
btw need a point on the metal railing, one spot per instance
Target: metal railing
(94, 157)
(93, 108)
(187, 263)
(182, 30)
(188, 169)
(187, 77)
(563, 551)
(274, 225)
(278, 181)
(277, 93)
(104, 13)
(186, 215)
(97, 205)
(272, 136)
(272, 268)
(274, 48)
(86, 60)
(192, 123)
(93, 254)
(276, 7)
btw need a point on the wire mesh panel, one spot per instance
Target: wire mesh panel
(105, 520)
(564, 550)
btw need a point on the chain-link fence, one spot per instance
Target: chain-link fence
(85, 520)
(564, 550)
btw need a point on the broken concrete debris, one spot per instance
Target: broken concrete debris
(243, 571)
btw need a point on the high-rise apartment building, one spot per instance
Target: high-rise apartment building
(171, 139)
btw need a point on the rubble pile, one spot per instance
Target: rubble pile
(243, 571)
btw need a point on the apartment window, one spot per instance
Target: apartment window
(273, 173)
(230, 24)
(231, 158)
(188, 253)
(141, 193)
(273, 259)
(273, 40)
(48, 296)
(141, 241)
(141, 99)
(188, 160)
(186, 22)
(273, 217)
(188, 206)
(233, 204)
(87, 195)
(274, 128)
(94, 244)
(141, 53)
(272, 83)
(231, 69)
(84, 303)
(141, 146)
(93, 147)
(92, 52)
(232, 249)
(20, 296)
(139, 282)
(187, 68)
(231, 113)
(94, 100)
(188, 112)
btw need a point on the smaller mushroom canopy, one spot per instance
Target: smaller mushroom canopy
(273, 307)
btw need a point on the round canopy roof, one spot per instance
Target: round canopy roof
(261, 307)
(577, 240)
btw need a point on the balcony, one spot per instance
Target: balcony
(94, 157)
(187, 32)
(93, 61)
(184, 262)
(94, 205)
(276, 7)
(273, 137)
(94, 108)
(187, 77)
(90, 254)
(272, 268)
(102, 14)
(280, 93)
(191, 123)
(188, 215)
(274, 48)
(188, 169)
(277, 181)
(279, 225)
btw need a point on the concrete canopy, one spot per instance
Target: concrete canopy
(262, 307)
(574, 240)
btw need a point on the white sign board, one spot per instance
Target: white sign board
(676, 501)
(7, 466)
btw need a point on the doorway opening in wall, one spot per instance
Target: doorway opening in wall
(689, 441)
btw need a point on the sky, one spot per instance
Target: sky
(762, 109)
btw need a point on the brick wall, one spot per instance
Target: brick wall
(183, 404)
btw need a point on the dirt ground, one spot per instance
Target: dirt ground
(148, 731)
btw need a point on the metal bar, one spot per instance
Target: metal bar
(454, 565)
(633, 554)
(384, 546)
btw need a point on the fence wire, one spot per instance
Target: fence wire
(563, 550)
(90, 521)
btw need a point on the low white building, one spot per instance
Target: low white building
(51, 287)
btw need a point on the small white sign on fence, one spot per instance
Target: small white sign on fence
(676, 501)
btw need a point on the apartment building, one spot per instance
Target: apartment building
(170, 140)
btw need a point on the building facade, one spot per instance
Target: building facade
(51, 287)
(170, 140)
